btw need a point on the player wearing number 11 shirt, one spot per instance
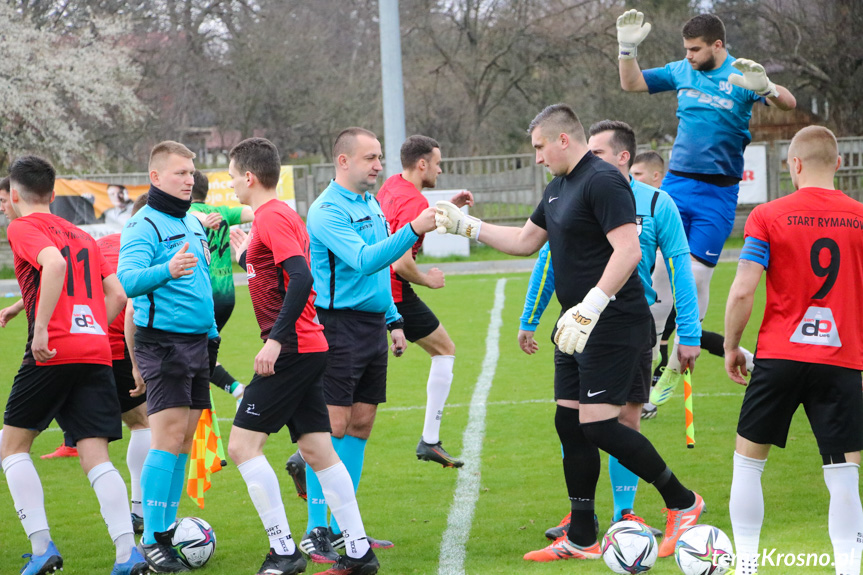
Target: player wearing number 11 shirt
(810, 345)
(69, 291)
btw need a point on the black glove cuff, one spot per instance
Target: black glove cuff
(397, 324)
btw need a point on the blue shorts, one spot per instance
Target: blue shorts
(707, 212)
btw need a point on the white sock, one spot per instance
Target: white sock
(846, 516)
(702, 274)
(26, 489)
(112, 495)
(263, 486)
(139, 445)
(339, 492)
(437, 390)
(746, 507)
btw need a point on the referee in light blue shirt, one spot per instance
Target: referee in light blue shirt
(351, 251)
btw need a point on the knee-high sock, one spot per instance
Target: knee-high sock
(114, 505)
(702, 275)
(638, 455)
(339, 492)
(29, 499)
(746, 508)
(136, 453)
(352, 452)
(624, 485)
(155, 490)
(437, 390)
(178, 482)
(263, 486)
(845, 521)
(315, 500)
(581, 472)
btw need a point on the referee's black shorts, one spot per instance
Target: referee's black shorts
(420, 320)
(357, 362)
(831, 396)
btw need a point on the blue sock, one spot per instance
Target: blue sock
(178, 482)
(315, 497)
(352, 452)
(155, 490)
(624, 484)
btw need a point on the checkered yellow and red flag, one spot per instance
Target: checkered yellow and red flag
(207, 455)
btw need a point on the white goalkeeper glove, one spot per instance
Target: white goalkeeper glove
(631, 31)
(451, 220)
(754, 78)
(574, 326)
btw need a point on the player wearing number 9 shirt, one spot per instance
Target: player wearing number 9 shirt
(69, 291)
(810, 345)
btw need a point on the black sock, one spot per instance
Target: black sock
(581, 471)
(636, 453)
(221, 378)
(713, 342)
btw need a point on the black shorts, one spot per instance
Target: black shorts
(605, 371)
(294, 396)
(831, 396)
(357, 363)
(122, 369)
(420, 321)
(176, 367)
(643, 379)
(82, 398)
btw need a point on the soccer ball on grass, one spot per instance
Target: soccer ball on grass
(629, 547)
(704, 550)
(194, 541)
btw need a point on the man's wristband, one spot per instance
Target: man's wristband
(397, 324)
(627, 52)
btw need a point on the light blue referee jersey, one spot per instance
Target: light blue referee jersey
(351, 251)
(148, 242)
(659, 226)
(714, 117)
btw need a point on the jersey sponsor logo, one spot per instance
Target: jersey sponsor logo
(713, 101)
(639, 222)
(83, 321)
(250, 270)
(206, 247)
(817, 328)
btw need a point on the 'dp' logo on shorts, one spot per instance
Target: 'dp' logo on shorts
(817, 328)
(83, 321)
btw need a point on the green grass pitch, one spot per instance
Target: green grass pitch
(522, 490)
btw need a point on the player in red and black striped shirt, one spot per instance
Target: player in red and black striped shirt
(69, 292)
(401, 200)
(286, 389)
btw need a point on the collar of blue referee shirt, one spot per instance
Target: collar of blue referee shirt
(349, 194)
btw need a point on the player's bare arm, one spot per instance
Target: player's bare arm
(407, 268)
(10, 312)
(53, 274)
(737, 312)
(522, 241)
(115, 296)
(631, 31)
(129, 329)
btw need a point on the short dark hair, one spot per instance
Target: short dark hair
(623, 136)
(416, 148)
(140, 202)
(4, 184)
(345, 139)
(167, 148)
(708, 27)
(33, 177)
(201, 186)
(562, 118)
(650, 158)
(259, 156)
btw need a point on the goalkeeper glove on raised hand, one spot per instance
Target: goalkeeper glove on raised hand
(451, 220)
(631, 31)
(754, 78)
(574, 326)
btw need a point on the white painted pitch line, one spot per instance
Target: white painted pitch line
(452, 548)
